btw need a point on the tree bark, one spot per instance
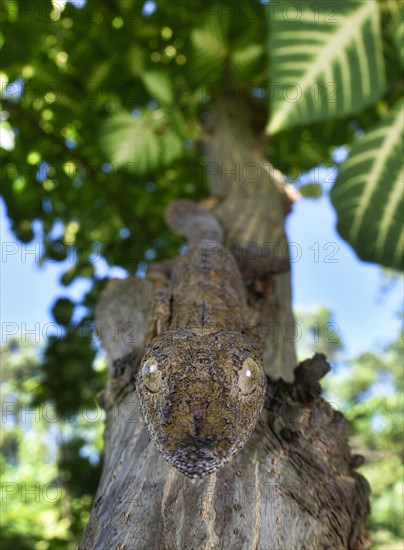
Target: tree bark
(294, 485)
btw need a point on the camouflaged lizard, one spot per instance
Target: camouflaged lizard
(201, 383)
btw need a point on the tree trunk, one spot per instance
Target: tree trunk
(293, 486)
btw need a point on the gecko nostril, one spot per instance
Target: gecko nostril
(198, 422)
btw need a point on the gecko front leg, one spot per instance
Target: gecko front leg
(160, 276)
(162, 309)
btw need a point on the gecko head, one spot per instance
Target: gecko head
(200, 397)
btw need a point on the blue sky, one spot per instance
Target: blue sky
(366, 318)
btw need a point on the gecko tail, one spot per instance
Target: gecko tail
(188, 219)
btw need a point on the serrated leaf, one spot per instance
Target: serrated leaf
(327, 64)
(129, 140)
(159, 85)
(139, 143)
(210, 47)
(245, 59)
(368, 193)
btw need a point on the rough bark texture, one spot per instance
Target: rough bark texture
(293, 486)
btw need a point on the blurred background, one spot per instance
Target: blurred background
(101, 113)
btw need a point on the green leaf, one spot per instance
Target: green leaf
(245, 58)
(171, 148)
(159, 85)
(141, 144)
(312, 190)
(85, 270)
(210, 47)
(62, 311)
(136, 60)
(398, 37)
(135, 141)
(25, 235)
(326, 62)
(368, 193)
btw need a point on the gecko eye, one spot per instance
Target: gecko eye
(248, 377)
(151, 375)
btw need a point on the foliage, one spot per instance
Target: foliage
(369, 394)
(336, 59)
(50, 465)
(369, 189)
(333, 52)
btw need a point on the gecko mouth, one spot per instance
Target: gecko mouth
(196, 459)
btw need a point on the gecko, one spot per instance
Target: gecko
(201, 383)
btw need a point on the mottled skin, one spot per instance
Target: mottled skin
(201, 383)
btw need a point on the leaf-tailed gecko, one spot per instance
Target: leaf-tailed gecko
(201, 383)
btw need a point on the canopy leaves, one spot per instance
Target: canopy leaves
(142, 141)
(326, 61)
(329, 61)
(369, 192)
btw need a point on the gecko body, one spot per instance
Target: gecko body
(201, 383)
